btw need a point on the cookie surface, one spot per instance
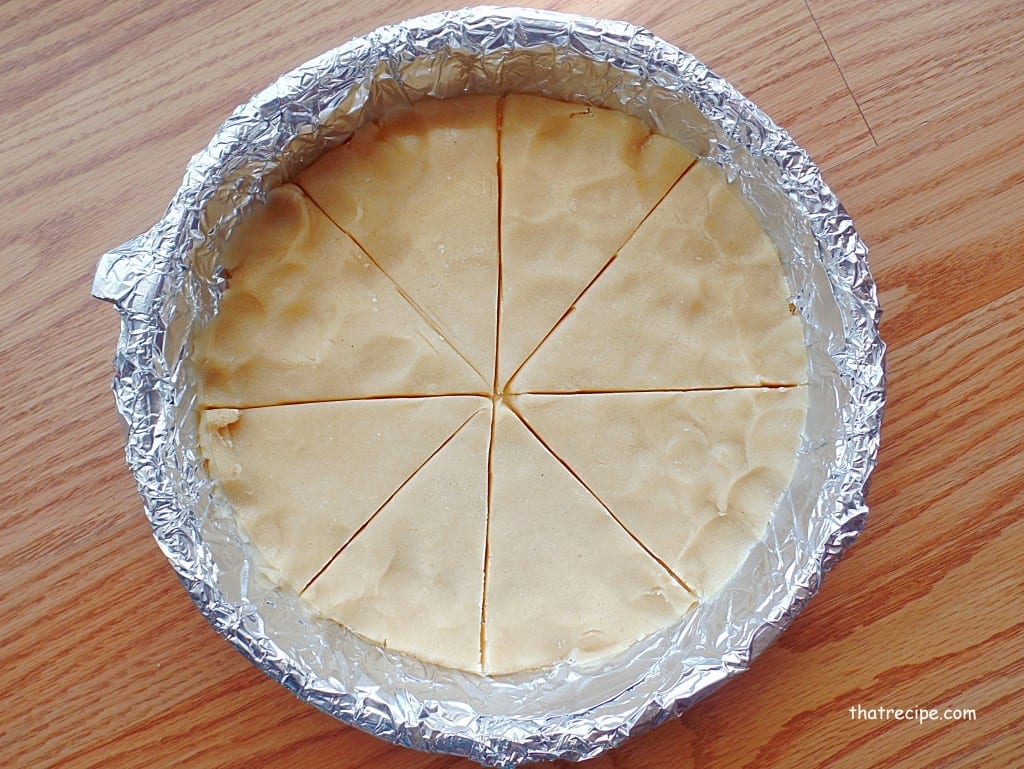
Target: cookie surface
(503, 382)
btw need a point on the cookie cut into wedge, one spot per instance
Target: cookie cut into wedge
(696, 299)
(564, 579)
(695, 476)
(308, 317)
(413, 580)
(419, 191)
(576, 182)
(302, 479)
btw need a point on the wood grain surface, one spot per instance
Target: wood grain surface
(913, 109)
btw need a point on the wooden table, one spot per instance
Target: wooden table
(914, 111)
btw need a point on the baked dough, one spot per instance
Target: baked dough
(302, 479)
(693, 475)
(564, 578)
(437, 237)
(307, 317)
(427, 501)
(576, 182)
(413, 578)
(696, 299)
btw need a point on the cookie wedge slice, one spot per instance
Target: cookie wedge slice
(696, 299)
(576, 182)
(302, 479)
(307, 317)
(564, 580)
(419, 191)
(412, 579)
(695, 476)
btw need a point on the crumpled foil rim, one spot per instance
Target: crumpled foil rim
(165, 281)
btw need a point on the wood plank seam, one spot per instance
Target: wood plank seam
(842, 74)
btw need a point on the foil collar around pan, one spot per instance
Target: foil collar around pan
(165, 283)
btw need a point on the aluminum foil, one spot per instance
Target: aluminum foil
(165, 283)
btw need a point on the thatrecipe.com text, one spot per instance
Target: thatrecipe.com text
(921, 715)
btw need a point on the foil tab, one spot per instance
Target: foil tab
(165, 283)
